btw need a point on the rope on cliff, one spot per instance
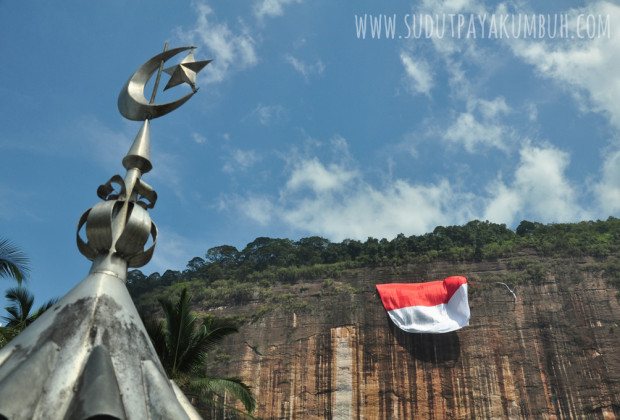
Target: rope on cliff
(513, 293)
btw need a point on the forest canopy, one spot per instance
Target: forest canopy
(270, 260)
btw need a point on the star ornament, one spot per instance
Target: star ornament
(185, 71)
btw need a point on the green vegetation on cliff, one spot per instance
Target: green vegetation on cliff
(227, 276)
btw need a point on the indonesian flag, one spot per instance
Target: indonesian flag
(433, 307)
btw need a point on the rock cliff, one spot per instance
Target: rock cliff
(330, 351)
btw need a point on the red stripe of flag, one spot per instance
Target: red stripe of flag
(402, 295)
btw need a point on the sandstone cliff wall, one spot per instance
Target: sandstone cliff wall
(555, 354)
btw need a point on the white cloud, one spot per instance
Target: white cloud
(448, 46)
(607, 190)
(587, 68)
(540, 189)
(492, 109)
(336, 201)
(366, 211)
(266, 114)
(230, 51)
(306, 70)
(467, 64)
(199, 138)
(418, 78)
(256, 208)
(313, 175)
(449, 6)
(505, 205)
(473, 134)
(271, 8)
(240, 159)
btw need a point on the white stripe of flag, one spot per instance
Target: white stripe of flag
(432, 307)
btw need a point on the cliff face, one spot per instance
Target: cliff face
(332, 352)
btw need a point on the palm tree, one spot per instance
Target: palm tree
(19, 313)
(19, 310)
(182, 344)
(13, 262)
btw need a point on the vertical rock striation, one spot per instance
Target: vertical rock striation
(554, 354)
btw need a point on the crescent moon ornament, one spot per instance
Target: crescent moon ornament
(131, 101)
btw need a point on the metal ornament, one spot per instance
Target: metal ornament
(89, 355)
(131, 101)
(121, 224)
(185, 72)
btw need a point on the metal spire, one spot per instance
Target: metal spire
(89, 355)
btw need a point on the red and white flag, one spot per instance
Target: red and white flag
(433, 307)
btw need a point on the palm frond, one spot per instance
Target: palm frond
(180, 326)
(157, 332)
(21, 305)
(208, 400)
(218, 328)
(211, 332)
(219, 386)
(13, 262)
(182, 347)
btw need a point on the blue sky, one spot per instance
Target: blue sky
(304, 126)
